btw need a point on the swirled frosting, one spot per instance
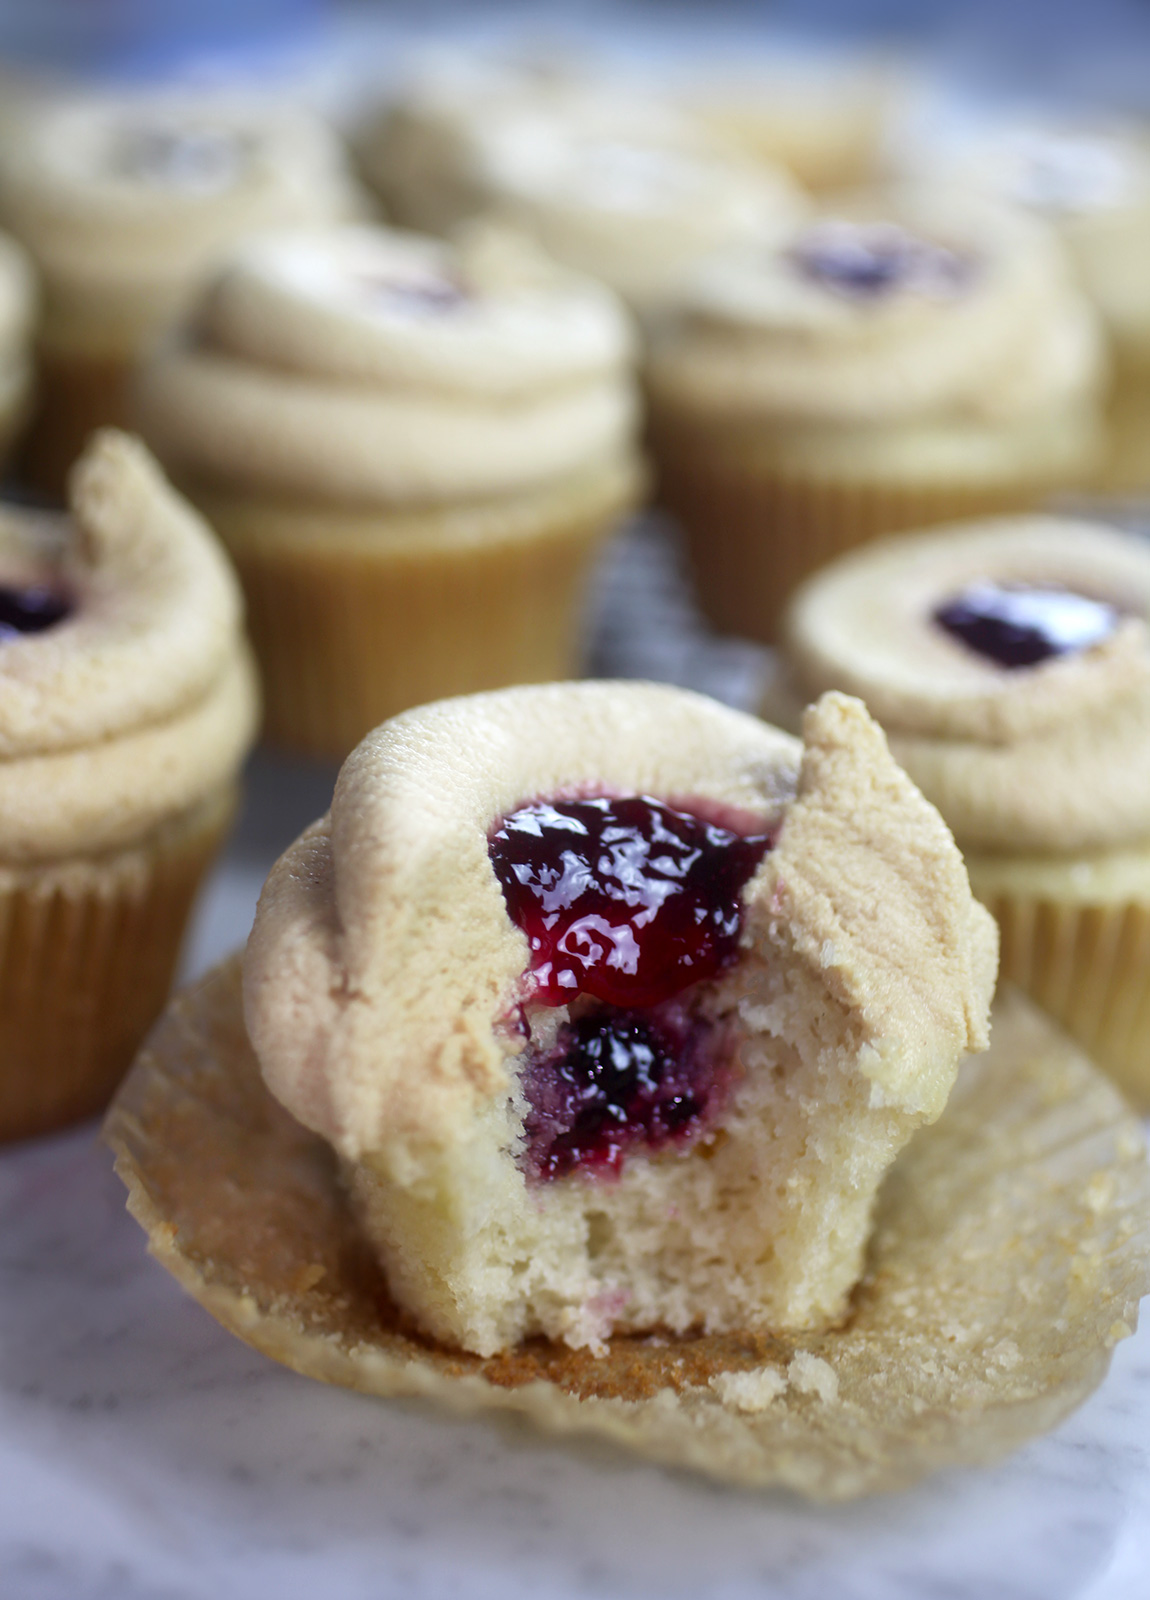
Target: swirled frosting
(376, 366)
(905, 324)
(1092, 182)
(1047, 758)
(140, 700)
(126, 202)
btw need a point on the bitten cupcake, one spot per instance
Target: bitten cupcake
(125, 204)
(126, 708)
(617, 1006)
(615, 185)
(413, 452)
(914, 358)
(1009, 662)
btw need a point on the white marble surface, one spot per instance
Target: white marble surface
(147, 1455)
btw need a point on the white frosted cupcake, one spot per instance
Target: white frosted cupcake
(125, 204)
(912, 358)
(413, 452)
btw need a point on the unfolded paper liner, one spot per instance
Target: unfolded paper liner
(1010, 1250)
(1089, 966)
(754, 533)
(88, 949)
(357, 614)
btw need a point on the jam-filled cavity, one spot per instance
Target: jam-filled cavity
(30, 608)
(629, 907)
(869, 261)
(411, 294)
(1022, 625)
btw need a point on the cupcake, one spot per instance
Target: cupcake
(1092, 184)
(914, 358)
(126, 708)
(413, 452)
(612, 184)
(617, 1006)
(17, 308)
(1009, 662)
(125, 204)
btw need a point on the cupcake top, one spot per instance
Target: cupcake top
(1009, 661)
(379, 366)
(125, 689)
(405, 897)
(124, 203)
(1093, 184)
(897, 308)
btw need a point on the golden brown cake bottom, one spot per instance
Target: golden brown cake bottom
(1035, 1176)
(357, 614)
(754, 532)
(88, 948)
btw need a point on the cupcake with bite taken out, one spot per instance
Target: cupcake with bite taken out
(913, 358)
(127, 705)
(1009, 662)
(413, 451)
(125, 204)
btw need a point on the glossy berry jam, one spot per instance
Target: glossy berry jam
(30, 610)
(617, 1079)
(1016, 625)
(625, 900)
(866, 261)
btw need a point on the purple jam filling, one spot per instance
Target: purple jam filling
(616, 1079)
(626, 903)
(866, 261)
(1019, 625)
(30, 610)
(414, 294)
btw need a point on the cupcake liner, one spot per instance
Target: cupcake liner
(75, 395)
(88, 949)
(753, 534)
(356, 615)
(1089, 966)
(1034, 1175)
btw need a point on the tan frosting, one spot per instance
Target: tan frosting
(379, 366)
(125, 203)
(1050, 759)
(1005, 341)
(382, 957)
(142, 700)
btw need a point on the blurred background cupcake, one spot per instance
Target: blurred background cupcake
(413, 452)
(17, 313)
(125, 203)
(904, 359)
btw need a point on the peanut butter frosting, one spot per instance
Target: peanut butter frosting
(375, 366)
(382, 954)
(1050, 758)
(918, 325)
(126, 202)
(141, 700)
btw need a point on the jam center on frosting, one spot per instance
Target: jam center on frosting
(870, 260)
(625, 900)
(627, 904)
(410, 294)
(195, 160)
(1021, 625)
(30, 610)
